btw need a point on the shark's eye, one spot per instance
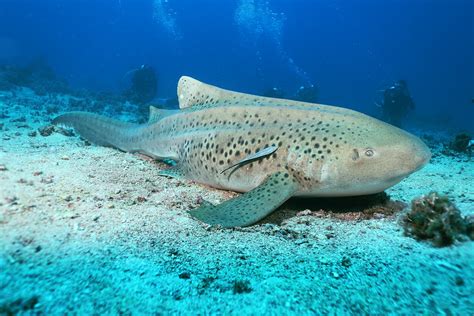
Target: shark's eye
(369, 152)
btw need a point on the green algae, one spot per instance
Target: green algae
(435, 218)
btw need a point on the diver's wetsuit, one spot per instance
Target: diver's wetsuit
(397, 101)
(144, 85)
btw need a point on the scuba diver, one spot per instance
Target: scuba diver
(397, 101)
(274, 93)
(143, 87)
(307, 93)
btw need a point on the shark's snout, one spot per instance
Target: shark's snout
(398, 162)
(424, 156)
(409, 156)
(419, 154)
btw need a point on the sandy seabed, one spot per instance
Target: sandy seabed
(91, 230)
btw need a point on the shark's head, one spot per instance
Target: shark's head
(373, 157)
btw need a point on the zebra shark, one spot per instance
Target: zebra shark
(269, 149)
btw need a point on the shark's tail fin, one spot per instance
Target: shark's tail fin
(101, 130)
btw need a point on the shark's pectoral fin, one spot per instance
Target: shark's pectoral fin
(250, 207)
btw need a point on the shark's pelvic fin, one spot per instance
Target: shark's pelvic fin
(250, 207)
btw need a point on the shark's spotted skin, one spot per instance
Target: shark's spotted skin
(321, 150)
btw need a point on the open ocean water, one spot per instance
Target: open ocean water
(92, 230)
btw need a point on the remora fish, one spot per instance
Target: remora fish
(272, 149)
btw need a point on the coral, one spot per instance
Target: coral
(46, 130)
(37, 75)
(241, 286)
(10, 77)
(470, 226)
(460, 142)
(434, 217)
(19, 306)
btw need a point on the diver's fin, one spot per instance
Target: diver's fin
(259, 154)
(250, 207)
(173, 172)
(157, 114)
(192, 92)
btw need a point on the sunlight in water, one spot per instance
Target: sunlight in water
(255, 19)
(166, 18)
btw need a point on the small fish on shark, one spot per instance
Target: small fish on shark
(269, 149)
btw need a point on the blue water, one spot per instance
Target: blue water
(89, 230)
(349, 49)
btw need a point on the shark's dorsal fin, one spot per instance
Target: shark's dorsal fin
(157, 114)
(192, 92)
